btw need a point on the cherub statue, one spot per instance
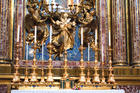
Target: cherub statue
(89, 21)
(63, 35)
(35, 19)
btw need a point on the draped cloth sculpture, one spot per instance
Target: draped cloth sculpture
(63, 34)
(63, 24)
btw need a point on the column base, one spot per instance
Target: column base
(120, 63)
(136, 64)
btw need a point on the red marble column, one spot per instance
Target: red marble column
(5, 33)
(119, 32)
(135, 29)
(103, 32)
(19, 20)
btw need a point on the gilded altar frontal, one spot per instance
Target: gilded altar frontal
(67, 45)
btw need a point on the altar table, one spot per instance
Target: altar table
(67, 91)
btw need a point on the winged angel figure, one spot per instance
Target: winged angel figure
(63, 34)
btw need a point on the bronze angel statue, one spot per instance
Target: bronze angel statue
(34, 18)
(63, 34)
(89, 20)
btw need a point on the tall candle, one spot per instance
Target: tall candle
(42, 51)
(18, 32)
(35, 34)
(77, 1)
(88, 51)
(102, 53)
(109, 38)
(47, 1)
(69, 2)
(96, 37)
(77, 9)
(81, 35)
(50, 33)
(27, 50)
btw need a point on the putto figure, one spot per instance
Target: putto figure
(34, 18)
(88, 19)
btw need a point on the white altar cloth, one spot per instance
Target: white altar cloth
(67, 91)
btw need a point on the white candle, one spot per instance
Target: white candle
(50, 33)
(47, 1)
(102, 53)
(69, 2)
(109, 38)
(42, 51)
(96, 37)
(35, 34)
(88, 51)
(77, 1)
(81, 35)
(27, 50)
(18, 32)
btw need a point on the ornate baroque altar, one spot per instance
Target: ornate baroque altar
(69, 44)
(53, 27)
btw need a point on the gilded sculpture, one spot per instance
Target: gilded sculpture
(63, 34)
(32, 19)
(89, 21)
(63, 24)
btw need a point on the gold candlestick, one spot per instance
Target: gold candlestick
(70, 6)
(46, 8)
(103, 76)
(57, 5)
(26, 79)
(88, 74)
(52, 4)
(50, 75)
(76, 8)
(42, 68)
(42, 73)
(65, 75)
(111, 75)
(96, 78)
(16, 77)
(34, 74)
(82, 68)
